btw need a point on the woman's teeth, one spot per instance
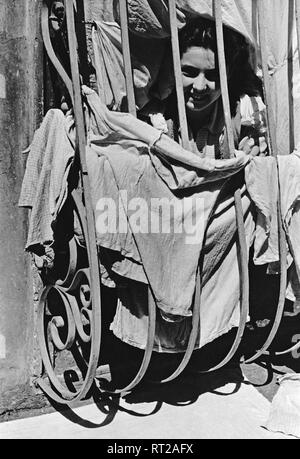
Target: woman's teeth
(199, 97)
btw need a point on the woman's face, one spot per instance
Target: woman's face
(200, 78)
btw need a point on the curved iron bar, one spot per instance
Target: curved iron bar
(217, 8)
(151, 302)
(77, 319)
(240, 222)
(75, 324)
(242, 243)
(186, 144)
(151, 299)
(193, 335)
(50, 51)
(177, 74)
(90, 235)
(58, 322)
(238, 201)
(296, 346)
(152, 313)
(73, 255)
(88, 228)
(63, 394)
(148, 351)
(77, 283)
(281, 233)
(183, 123)
(243, 253)
(243, 268)
(127, 57)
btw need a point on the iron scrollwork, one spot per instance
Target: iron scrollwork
(69, 321)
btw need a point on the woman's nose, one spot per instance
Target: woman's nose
(200, 83)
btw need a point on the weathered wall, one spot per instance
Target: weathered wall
(20, 112)
(21, 109)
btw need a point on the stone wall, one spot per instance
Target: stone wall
(21, 84)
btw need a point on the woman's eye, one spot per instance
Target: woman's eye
(212, 75)
(190, 72)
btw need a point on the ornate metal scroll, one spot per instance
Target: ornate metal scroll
(78, 317)
(69, 319)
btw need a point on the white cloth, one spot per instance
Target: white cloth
(119, 161)
(262, 184)
(284, 414)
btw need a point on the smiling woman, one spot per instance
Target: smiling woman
(201, 84)
(200, 79)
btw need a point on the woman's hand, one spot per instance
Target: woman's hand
(247, 145)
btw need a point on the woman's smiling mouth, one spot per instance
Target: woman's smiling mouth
(200, 100)
(199, 97)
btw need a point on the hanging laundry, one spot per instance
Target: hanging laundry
(151, 18)
(109, 64)
(261, 176)
(45, 186)
(125, 154)
(262, 184)
(220, 295)
(289, 170)
(119, 161)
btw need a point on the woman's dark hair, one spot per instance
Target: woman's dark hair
(242, 80)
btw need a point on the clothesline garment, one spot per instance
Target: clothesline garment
(168, 262)
(45, 185)
(130, 323)
(152, 17)
(170, 258)
(261, 181)
(150, 50)
(119, 158)
(109, 65)
(220, 297)
(220, 293)
(211, 140)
